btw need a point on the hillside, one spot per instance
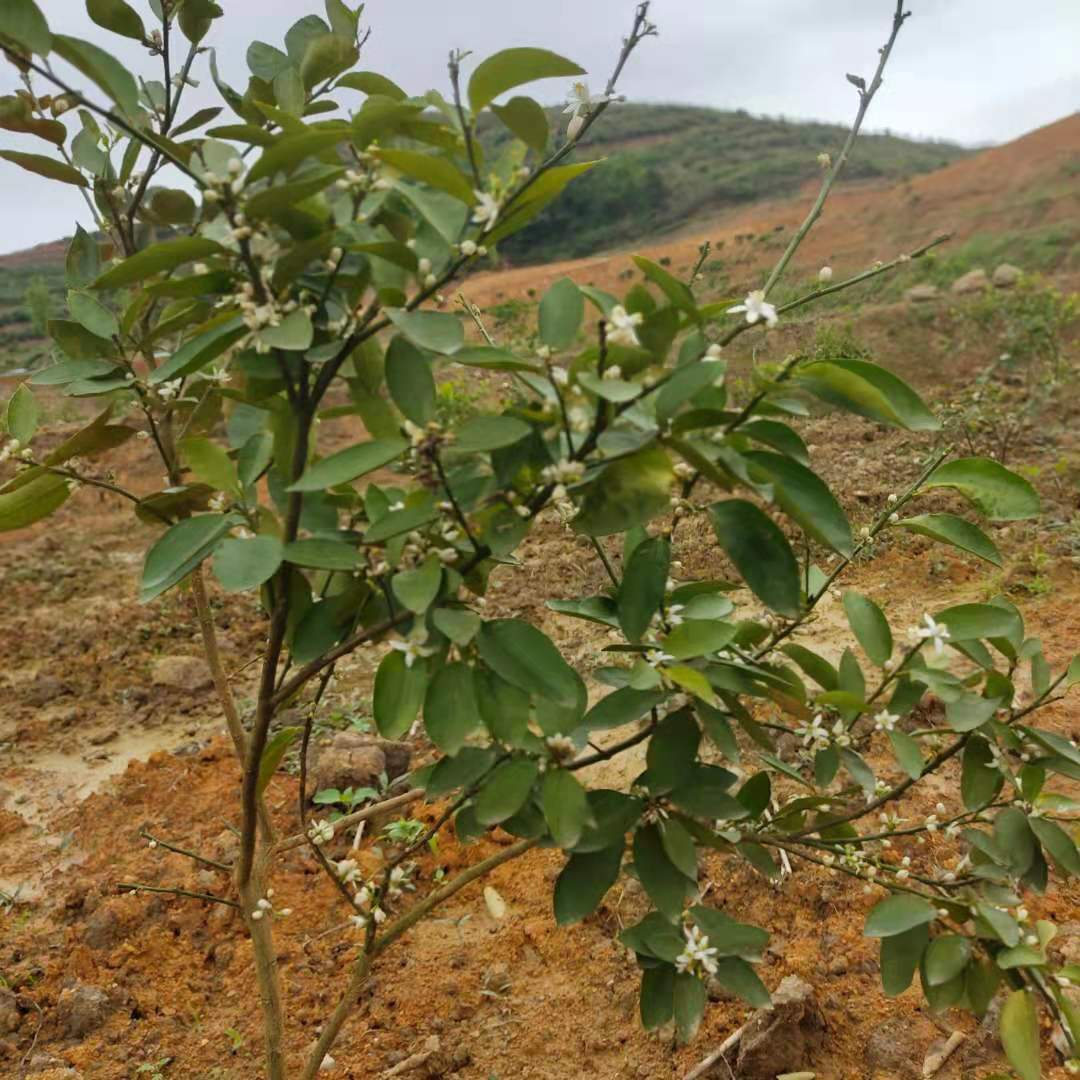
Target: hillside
(666, 164)
(1018, 203)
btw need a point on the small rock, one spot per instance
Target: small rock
(971, 282)
(921, 294)
(785, 1036)
(106, 927)
(496, 978)
(351, 759)
(99, 738)
(9, 1012)
(1006, 276)
(839, 966)
(45, 689)
(189, 673)
(82, 1009)
(889, 1050)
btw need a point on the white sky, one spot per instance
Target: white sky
(973, 71)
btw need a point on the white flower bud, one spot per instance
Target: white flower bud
(824, 275)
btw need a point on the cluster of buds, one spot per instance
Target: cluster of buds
(321, 832)
(369, 912)
(561, 747)
(353, 181)
(469, 248)
(218, 186)
(15, 449)
(265, 908)
(560, 474)
(671, 615)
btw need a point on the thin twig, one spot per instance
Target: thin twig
(139, 887)
(718, 1054)
(157, 842)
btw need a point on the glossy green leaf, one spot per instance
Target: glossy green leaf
(370, 82)
(527, 120)
(506, 791)
(562, 310)
(565, 807)
(584, 881)
(245, 564)
(397, 695)
(21, 414)
(869, 626)
(946, 958)
(451, 713)
(23, 23)
(32, 501)
(210, 463)
(417, 589)
(323, 555)
(434, 171)
(273, 753)
(486, 433)
(980, 778)
(515, 67)
(689, 999)
(896, 914)
(295, 334)
(102, 68)
(641, 591)
(117, 16)
(760, 552)
(666, 886)
(326, 56)
(949, 529)
(657, 1004)
(434, 330)
(167, 255)
(48, 167)
(865, 388)
(526, 658)
(1019, 1029)
(967, 622)
(995, 491)
(349, 464)
(179, 550)
(626, 493)
(200, 350)
(900, 957)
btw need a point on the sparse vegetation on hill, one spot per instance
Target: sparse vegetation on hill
(666, 164)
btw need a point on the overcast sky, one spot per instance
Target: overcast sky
(974, 71)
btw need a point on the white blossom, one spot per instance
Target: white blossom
(697, 956)
(413, 650)
(486, 211)
(885, 720)
(321, 832)
(934, 632)
(621, 326)
(348, 871)
(756, 308)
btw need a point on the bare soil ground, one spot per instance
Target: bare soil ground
(93, 752)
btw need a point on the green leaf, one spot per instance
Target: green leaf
(626, 493)
(274, 200)
(196, 17)
(527, 120)
(946, 958)
(689, 1005)
(434, 171)
(506, 791)
(288, 152)
(900, 957)
(623, 706)
(949, 529)
(657, 996)
(167, 255)
(804, 497)
(760, 552)
(102, 68)
(21, 414)
(565, 807)
(527, 659)
(349, 464)
(295, 334)
(1058, 843)
(45, 166)
(398, 694)
(434, 330)
(451, 713)
(672, 750)
(562, 310)
(980, 779)
(970, 711)
(326, 56)
(676, 291)
(371, 82)
(641, 591)
(32, 501)
(1019, 1029)
(870, 627)
(967, 622)
(458, 624)
(265, 62)
(272, 754)
(584, 881)
(907, 753)
(323, 555)
(410, 380)
(666, 886)
(992, 489)
(698, 637)
(117, 16)
(515, 67)
(779, 437)
(735, 974)
(460, 771)
(200, 350)
(210, 463)
(83, 261)
(684, 383)
(492, 359)
(179, 550)
(245, 564)
(417, 589)
(869, 390)
(896, 914)
(23, 23)
(484, 433)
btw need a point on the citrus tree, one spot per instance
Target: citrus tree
(295, 271)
